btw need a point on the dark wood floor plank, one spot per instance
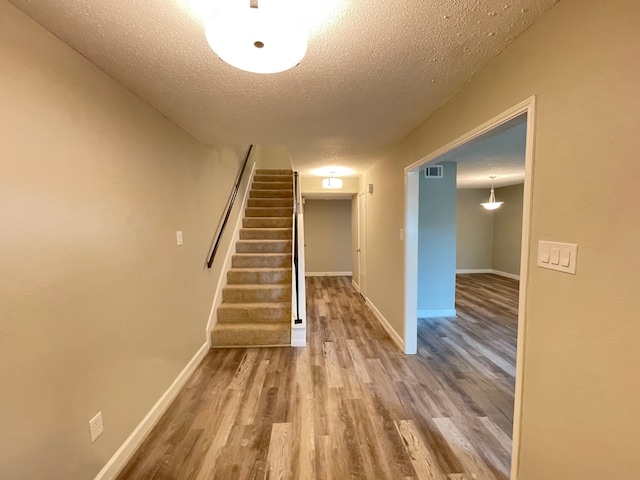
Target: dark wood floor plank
(350, 405)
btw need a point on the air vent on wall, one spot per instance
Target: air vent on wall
(434, 171)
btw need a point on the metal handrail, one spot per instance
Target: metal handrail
(296, 211)
(232, 198)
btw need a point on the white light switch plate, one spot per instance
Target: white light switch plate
(558, 256)
(179, 237)
(95, 427)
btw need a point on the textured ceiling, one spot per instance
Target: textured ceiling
(499, 153)
(373, 70)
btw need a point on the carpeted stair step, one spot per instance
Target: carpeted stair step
(267, 222)
(268, 212)
(271, 194)
(273, 178)
(271, 202)
(263, 276)
(266, 171)
(251, 334)
(265, 233)
(273, 312)
(256, 293)
(284, 186)
(263, 246)
(261, 260)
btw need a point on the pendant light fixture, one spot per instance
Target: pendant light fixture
(492, 204)
(259, 40)
(332, 182)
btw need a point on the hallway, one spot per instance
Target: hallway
(351, 405)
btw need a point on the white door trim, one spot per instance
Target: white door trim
(362, 243)
(411, 250)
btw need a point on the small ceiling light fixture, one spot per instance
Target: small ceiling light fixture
(492, 204)
(258, 40)
(332, 182)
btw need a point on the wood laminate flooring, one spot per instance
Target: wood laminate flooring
(351, 405)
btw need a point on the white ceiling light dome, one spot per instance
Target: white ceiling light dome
(264, 39)
(332, 182)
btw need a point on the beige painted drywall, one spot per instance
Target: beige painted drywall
(489, 239)
(272, 157)
(99, 309)
(580, 416)
(327, 236)
(507, 230)
(474, 233)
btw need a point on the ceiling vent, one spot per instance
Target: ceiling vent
(434, 171)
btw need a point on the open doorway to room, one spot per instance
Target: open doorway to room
(464, 305)
(327, 237)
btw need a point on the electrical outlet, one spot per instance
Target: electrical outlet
(95, 427)
(179, 237)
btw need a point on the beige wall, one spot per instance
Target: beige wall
(272, 157)
(582, 340)
(474, 234)
(99, 309)
(489, 239)
(327, 236)
(507, 230)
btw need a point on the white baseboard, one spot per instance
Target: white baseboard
(222, 280)
(298, 337)
(397, 339)
(464, 271)
(506, 274)
(487, 270)
(119, 459)
(328, 274)
(355, 285)
(435, 313)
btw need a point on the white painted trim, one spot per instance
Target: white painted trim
(385, 324)
(466, 271)
(506, 274)
(222, 279)
(119, 459)
(528, 106)
(412, 202)
(525, 256)
(328, 274)
(298, 337)
(435, 313)
(355, 285)
(523, 107)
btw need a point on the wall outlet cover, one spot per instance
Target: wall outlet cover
(95, 427)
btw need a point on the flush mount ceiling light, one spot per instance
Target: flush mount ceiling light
(492, 204)
(332, 182)
(259, 40)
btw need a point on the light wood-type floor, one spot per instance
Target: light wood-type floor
(351, 405)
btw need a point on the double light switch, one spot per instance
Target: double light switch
(558, 256)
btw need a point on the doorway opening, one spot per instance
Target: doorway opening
(506, 372)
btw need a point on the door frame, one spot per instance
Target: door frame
(362, 243)
(411, 179)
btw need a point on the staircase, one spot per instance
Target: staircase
(256, 303)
